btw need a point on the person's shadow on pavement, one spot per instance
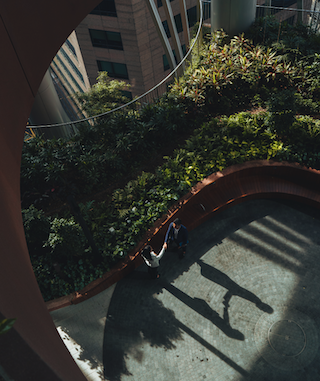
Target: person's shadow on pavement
(203, 308)
(233, 288)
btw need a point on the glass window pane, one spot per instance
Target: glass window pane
(166, 65)
(105, 8)
(114, 69)
(114, 36)
(106, 66)
(166, 28)
(178, 21)
(105, 39)
(98, 37)
(192, 16)
(114, 40)
(120, 70)
(127, 94)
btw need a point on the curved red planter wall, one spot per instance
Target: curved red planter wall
(255, 179)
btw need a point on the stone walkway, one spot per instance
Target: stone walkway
(242, 305)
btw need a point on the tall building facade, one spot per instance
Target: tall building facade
(121, 37)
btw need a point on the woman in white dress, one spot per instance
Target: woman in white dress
(152, 260)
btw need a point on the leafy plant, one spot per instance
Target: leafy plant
(282, 109)
(231, 75)
(103, 96)
(36, 228)
(66, 239)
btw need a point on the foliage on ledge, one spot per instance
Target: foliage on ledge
(63, 261)
(231, 75)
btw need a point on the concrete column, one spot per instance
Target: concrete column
(233, 16)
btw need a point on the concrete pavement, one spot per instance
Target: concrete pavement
(242, 305)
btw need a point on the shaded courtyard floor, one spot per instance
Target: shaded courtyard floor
(244, 304)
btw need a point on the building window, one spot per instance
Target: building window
(105, 8)
(178, 21)
(114, 69)
(74, 67)
(159, 3)
(127, 94)
(67, 71)
(104, 39)
(71, 48)
(166, 65)
(166, 28)
(192, 16)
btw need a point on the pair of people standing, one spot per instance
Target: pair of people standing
(176, 238)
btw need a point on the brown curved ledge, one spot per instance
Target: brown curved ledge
(220, 190)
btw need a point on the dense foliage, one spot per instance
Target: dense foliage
(292, 41)
(237, 73)
(105, 95)
(98, 155)
(231, 75)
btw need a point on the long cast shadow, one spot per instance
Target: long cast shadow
(233, 288)
(136, 318)
(202, 308)
(141, 318)
(128, 322)
(212, 349)
(212, 233)
(123, 338)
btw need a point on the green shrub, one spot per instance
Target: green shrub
(282, 110)
(231, 76)
(66, 240)
(100, 154)
(36, 228)
(291, 41)
(103, 96)
(303, 143)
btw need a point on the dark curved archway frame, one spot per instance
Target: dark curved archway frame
(31, 32)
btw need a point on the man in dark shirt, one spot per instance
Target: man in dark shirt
(177, 235)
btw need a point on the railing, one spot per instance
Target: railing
(143, 99)
(292, 15)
